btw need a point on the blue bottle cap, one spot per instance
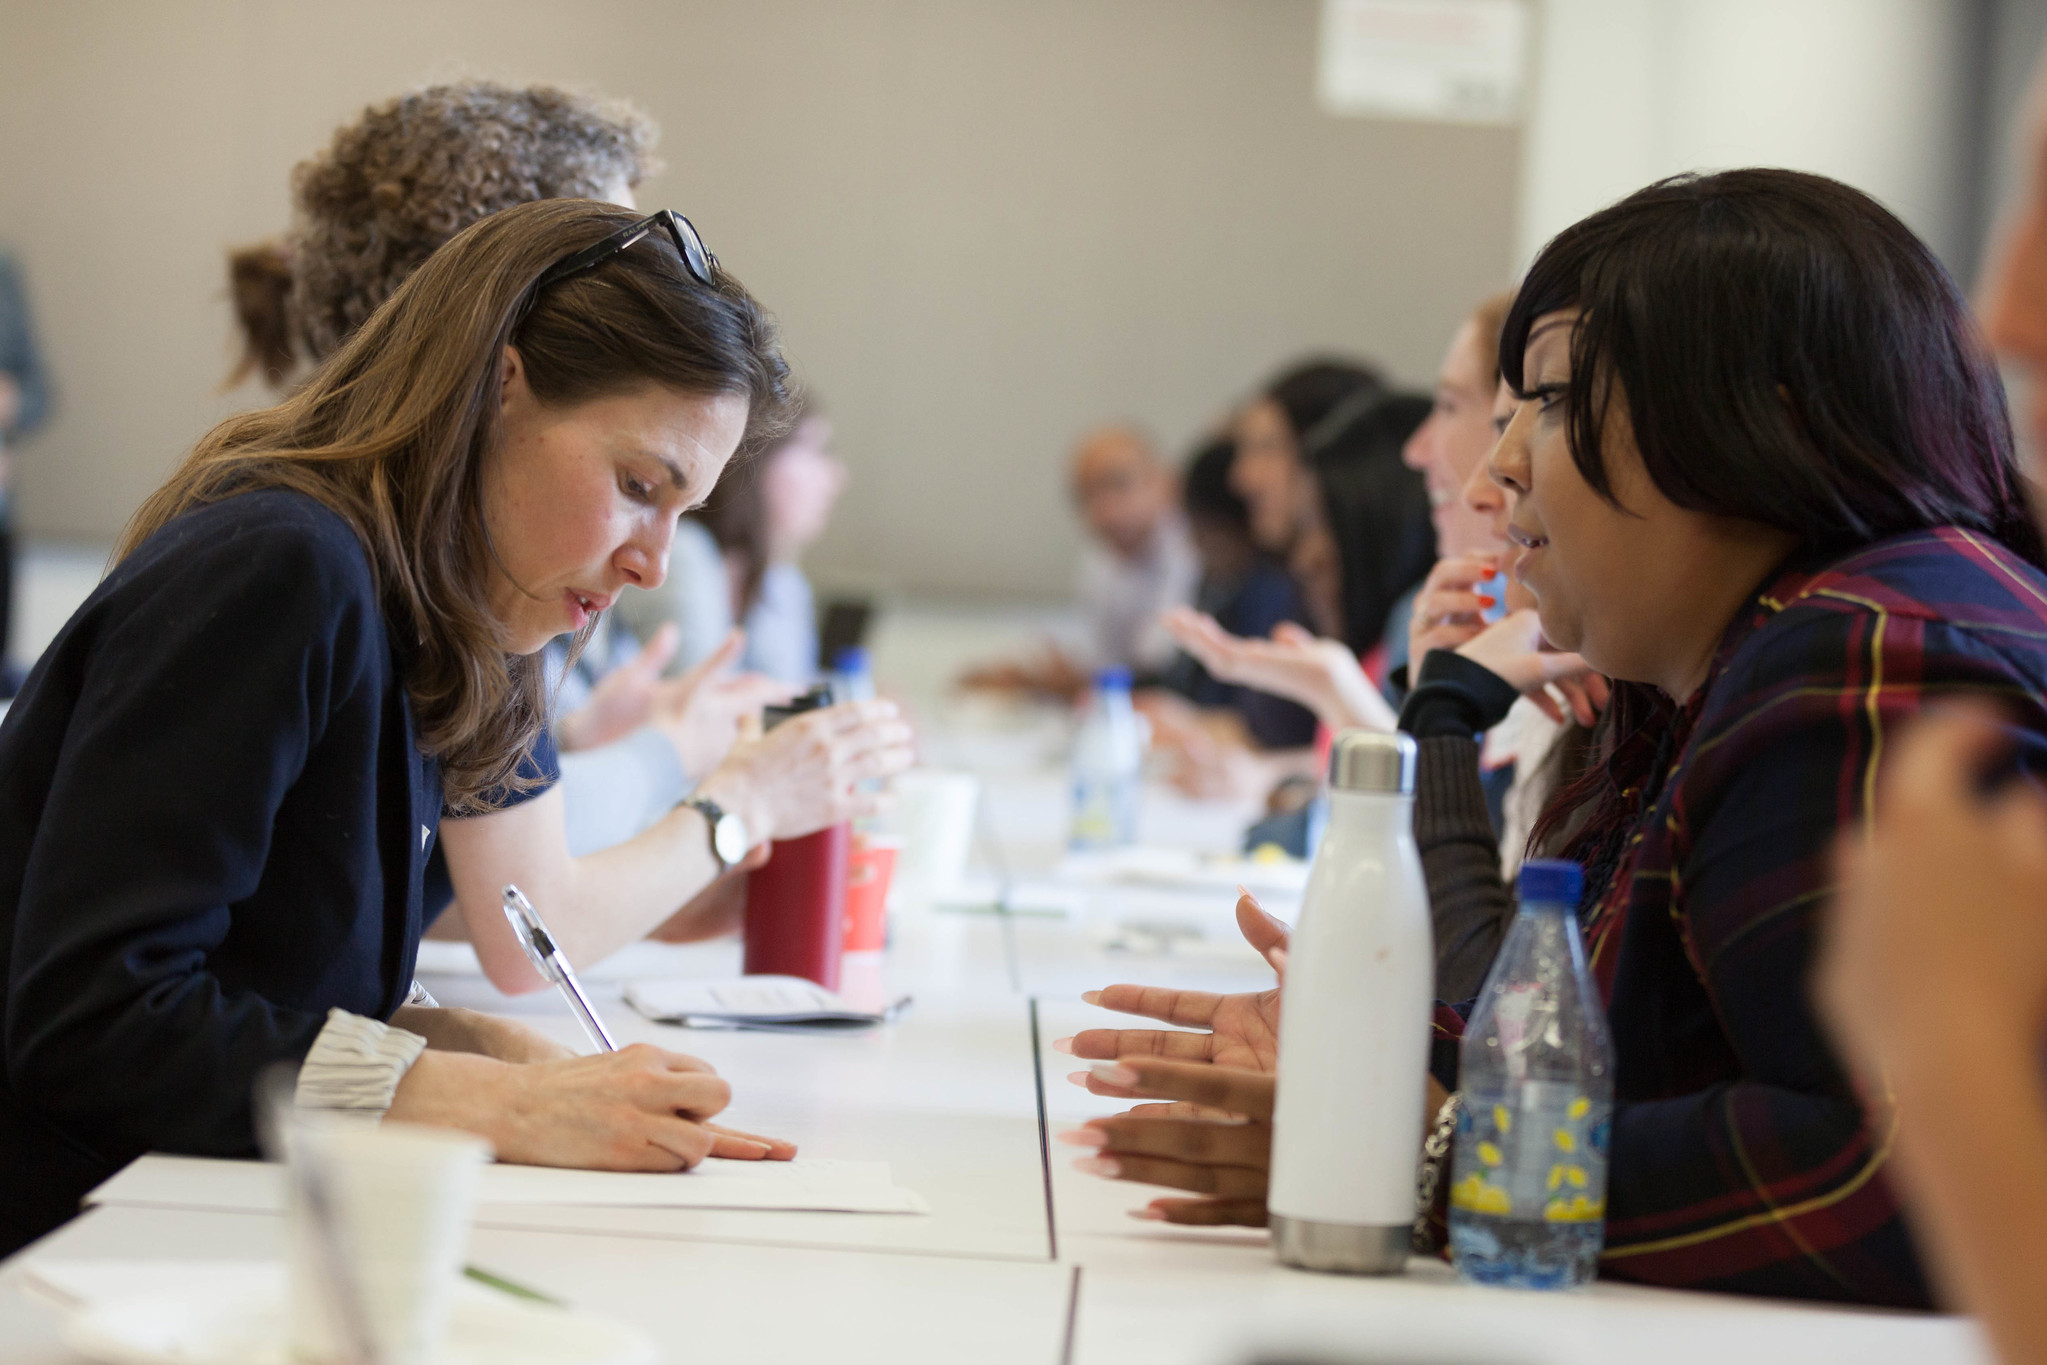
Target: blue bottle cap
(851, 659)
(1112, 679)
(1552, 881)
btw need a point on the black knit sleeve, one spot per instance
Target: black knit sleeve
(1452, 700)
(1468, 902)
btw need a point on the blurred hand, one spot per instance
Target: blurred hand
(1322, 675)
(803, 775)
(1938, 928)
(622, 699)
(702, 710)
(1050, 674)
(1208, 756)
(1512, 648)
(637, 1109)
(1449, 609)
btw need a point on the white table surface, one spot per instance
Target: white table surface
(703, 1301)
(1021, 1259)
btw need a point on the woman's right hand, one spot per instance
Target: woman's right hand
(637, 1109)
(1242, 1030)
(1512, 648)
(806, 773)
(1449, 609)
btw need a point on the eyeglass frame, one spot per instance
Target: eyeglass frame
(696, 257)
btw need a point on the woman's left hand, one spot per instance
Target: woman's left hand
(1224, 1160)
(1512, 648)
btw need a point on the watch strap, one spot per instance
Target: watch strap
(712, 813)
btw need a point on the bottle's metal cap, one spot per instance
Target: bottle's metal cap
(1370, 761)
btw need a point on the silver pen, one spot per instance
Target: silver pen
(549, 962)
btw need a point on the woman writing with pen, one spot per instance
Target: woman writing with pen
(220, 786)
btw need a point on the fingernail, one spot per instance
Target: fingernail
(1486, 599)
(1085, 1137)
(1149, 1214)
(1077, 1077)
(1113, 1073)
(1277, 957)
(1105, 1166)
(1064, 1045)
(1091, 997)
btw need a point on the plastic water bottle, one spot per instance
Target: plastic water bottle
(1354, 1025)
(1528, 1193)
(852, 675)
(1108, 766)
(1496, 588)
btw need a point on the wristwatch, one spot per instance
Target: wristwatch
(729, 841)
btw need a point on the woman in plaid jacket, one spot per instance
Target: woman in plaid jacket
(1761, 474)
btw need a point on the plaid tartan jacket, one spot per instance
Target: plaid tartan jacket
(1742, 1158)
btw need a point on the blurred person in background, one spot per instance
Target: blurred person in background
(1245, 591)
(24, 404)
(378, 201)
(1357, 557)
(1934, 974)
(1139, 561)
(744, 550)
(1271, 471)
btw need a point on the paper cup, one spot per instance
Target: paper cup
(868, 870)
(402, 1197)
(934, 820)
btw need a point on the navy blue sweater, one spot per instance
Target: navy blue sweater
(213, 820)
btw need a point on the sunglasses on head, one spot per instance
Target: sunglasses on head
(695, 258)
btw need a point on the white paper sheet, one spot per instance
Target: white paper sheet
(820, 1186)
(752, 1000)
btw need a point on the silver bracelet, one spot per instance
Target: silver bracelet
(1435, 1152)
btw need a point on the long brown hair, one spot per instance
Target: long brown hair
(392, 431)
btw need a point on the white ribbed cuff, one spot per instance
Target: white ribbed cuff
(355, 1065)
(419, 995)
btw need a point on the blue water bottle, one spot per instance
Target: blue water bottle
(1528, 1189)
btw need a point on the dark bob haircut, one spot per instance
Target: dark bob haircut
(1787, 353)
(1378, 508)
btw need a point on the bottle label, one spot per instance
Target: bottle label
(1536, 1151)
(1104, 812)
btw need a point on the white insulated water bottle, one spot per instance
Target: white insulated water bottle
(1354, 1025)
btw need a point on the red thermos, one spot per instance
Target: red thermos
(796, 901)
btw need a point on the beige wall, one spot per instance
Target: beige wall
(984, 223)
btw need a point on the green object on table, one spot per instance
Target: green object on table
(512, 1287)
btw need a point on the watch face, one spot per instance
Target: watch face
(728, 838)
